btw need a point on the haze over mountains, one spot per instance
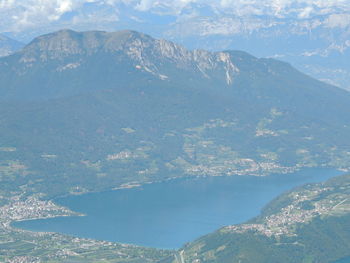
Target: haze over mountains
(92, 111)
(8, 46)
(313, 35)
(316, 45)
(85, 111)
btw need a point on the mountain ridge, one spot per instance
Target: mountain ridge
(155, 60)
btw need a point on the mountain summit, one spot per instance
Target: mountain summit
(68, 42)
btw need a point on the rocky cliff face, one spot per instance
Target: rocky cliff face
(145, 53)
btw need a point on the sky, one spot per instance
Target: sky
(21, 15)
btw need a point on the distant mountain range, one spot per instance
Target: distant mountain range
(312, 35)
(8, 46)
(318, 45)
(95, 110)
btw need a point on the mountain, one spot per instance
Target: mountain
(307, 224)
(88, 111)
(71, 63)
(8, 45)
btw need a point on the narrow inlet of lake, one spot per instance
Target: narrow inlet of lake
(171, 213)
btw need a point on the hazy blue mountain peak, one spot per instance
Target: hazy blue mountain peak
(71, 62)
(8, 45)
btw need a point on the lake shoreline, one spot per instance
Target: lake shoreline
(134, 187)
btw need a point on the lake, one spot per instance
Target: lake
(171, 213)
(344, 260)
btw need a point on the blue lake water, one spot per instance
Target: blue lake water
(344, 260)
(171, 213)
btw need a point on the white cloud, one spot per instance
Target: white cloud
(145, 5)
(306, 12)
(167, 6)
(17, 15)
(338, 20)
(299, 8)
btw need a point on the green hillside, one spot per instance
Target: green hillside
(309, 224)
(95, 110)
